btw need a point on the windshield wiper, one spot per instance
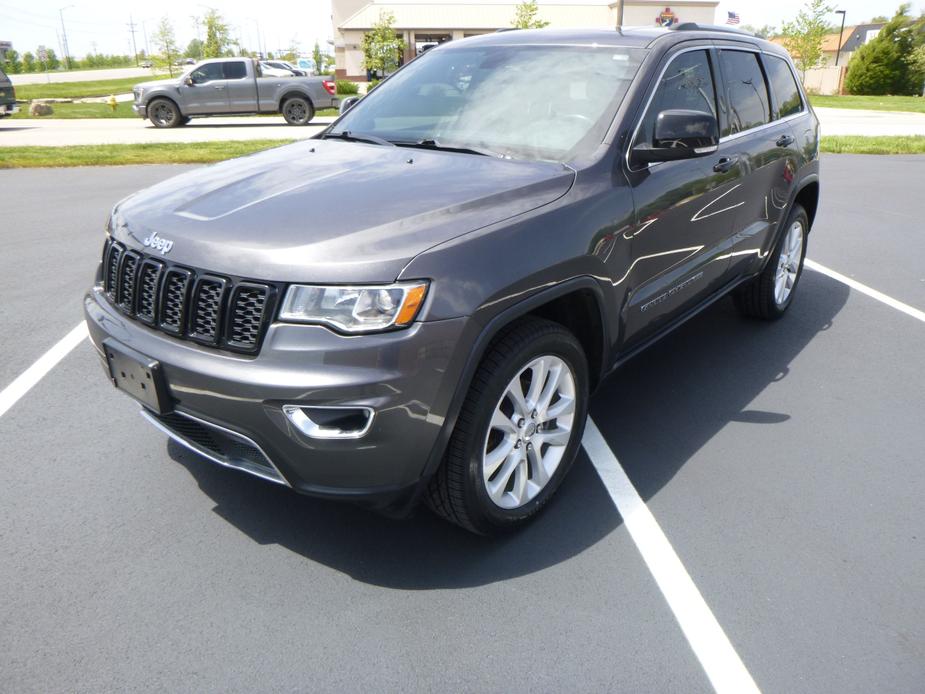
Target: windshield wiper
(464, 149)
(350, 136)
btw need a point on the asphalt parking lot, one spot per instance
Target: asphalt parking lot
(783, 463)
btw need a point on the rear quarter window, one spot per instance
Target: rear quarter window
(3, 75)
(746, 90)
(784, 86)
(235, 70)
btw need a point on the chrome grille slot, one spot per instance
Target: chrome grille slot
(190, 304)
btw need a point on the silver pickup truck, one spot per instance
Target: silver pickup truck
(226, 86)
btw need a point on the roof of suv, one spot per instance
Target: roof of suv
(642, 37)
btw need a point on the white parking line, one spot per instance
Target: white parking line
(45, 363)
(706, 637)
(864, 289)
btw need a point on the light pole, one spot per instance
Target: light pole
(840, 32)
(67, 55)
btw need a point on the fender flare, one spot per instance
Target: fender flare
(489, 331)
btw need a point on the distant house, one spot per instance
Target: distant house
(852, 38)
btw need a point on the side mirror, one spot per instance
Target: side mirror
(189, 81)
(348, 103)
(680, 134)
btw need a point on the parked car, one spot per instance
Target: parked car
(418, 303)
(283, 65)
(7, 96)
(268, 70)
(147, 64)
(227, 86)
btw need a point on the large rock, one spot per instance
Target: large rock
(37, 109)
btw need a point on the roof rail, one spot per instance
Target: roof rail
(693, 26)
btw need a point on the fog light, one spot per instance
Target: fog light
(330, 422)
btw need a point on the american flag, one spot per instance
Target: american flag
(733, 18)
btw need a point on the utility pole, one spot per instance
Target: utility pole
(67, 55)
(619, 14)
(131, 27)
(840, 32)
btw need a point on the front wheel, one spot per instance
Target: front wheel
(770, 294)
(163, 113)
(298, 111)
(518, 431)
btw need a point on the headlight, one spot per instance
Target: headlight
(138, 94)
(354, 309)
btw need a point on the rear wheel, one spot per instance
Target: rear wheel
(163, 113)
(298, 111)
(518, 431)
(770, 294)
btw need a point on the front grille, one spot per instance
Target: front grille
(128, 276)
(190, 304)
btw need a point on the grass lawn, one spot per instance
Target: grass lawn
(207, 152)
(81, 90)
(109, 155)
(883, 144)
(915, 104)
(123, 110)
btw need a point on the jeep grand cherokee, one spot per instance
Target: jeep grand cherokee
(417, 303)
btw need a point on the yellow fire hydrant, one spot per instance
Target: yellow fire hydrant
(112, 102)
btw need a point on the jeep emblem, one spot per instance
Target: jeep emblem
(158, 243)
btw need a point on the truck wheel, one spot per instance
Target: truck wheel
(164, 113)
(518, 431)
(770, 294)
(298, 111)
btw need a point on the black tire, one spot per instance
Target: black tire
(163, 113)
(757, 299)
(457, 492)
(297, 111)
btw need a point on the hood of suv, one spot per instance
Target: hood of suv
(331, 211)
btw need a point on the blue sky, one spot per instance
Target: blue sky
(103, 24)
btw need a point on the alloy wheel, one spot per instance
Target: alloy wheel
(788, 263)
(530, 428)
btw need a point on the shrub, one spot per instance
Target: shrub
(346, 88)
(882, 66)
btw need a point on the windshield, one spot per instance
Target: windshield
(521, 101)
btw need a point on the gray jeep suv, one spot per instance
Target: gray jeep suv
(417, 303)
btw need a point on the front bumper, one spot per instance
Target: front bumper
(140, 110)
(407, 377)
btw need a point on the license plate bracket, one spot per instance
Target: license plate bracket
(138, 375)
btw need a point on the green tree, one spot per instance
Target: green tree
(166, 43)
(28, 62)
(886, 64)
(194, 49)
(52, 63)
(12, 62)
(217, 35)
(317, 59)
(803, 36)
(381, 47)
(525, 16)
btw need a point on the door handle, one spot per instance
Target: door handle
(784, 141)
(218, 86)
(725, 163)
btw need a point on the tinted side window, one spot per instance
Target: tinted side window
(746, 90)
(3, 75)
(784, 86)
(686, 84)
(235, 70)
(208, 72)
